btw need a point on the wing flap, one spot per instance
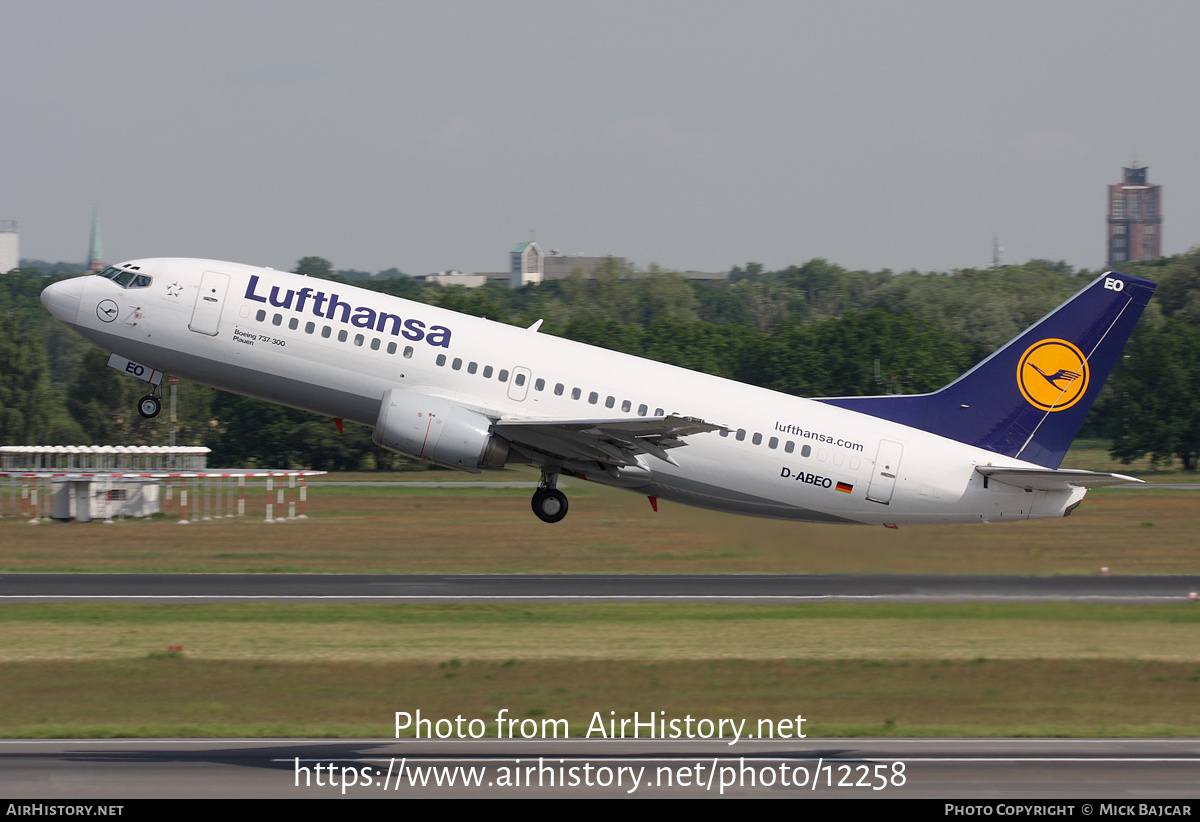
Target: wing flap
(616, 442)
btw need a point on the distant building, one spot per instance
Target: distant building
(95, 246)
(454, 278)
(10, 255)
(558, 267)
(704, 276)
(525, 264)
(529, 264)
(1134, 218)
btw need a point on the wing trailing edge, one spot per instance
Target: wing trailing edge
(616, 442)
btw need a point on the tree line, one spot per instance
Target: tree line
(811, 330)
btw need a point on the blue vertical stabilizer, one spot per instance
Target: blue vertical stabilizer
(1029, 399)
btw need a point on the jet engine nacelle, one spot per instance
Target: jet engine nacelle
(439, 431)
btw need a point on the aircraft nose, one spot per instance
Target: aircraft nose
(62, 299)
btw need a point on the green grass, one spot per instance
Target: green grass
(155, 696)
(92, 669)
(399, 529)
(534, 614)
(273, 669)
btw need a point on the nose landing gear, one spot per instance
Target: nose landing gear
(149, 406)
(549, 503)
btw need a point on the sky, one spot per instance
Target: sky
(695, 135)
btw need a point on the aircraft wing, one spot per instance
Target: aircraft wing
(1050, 479)
(611, 441)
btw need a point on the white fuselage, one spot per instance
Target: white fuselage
(285, 338)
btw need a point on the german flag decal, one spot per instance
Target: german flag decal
(845, 487)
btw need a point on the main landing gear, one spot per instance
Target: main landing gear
(549, 503)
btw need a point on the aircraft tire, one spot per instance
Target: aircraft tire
(550, 504)
(149, 406)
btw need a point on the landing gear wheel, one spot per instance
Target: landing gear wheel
(149, 406)
(550, 504)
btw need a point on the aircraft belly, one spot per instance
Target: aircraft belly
(727, 479)
(708, 495)
(310, 395)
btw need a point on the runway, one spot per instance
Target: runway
(591, 588)
(1119, 770)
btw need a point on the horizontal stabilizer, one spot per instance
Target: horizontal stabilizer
(1049, 479)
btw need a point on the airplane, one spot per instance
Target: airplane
(474, 394)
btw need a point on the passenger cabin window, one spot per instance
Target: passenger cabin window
(519, 379)
(756, 439)
(342, 335)
(375, 344)
(576, 393)
(310, 327)
(408, 352)
(539, 384)
(741, 434)
(806, 450)
(441, 359)
(642, 410)
(326, 331)
(472, 367)
(391, 349)
(487, 372)
(610, 402)
(558, 389)
(277, 319)
(503, 375)
(260, 315)
(625, 406)
(457, 364)
(789, 446)
(293, 323)
(593, 398)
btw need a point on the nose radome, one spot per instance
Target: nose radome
(62, 299)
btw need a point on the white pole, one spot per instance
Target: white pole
(33, 517)
(108, 500)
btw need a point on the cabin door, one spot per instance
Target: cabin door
(887, 467)
(206, 316)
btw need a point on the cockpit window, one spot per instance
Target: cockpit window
(126, 278)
